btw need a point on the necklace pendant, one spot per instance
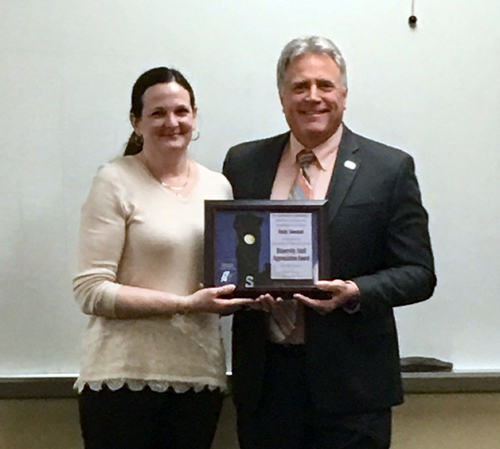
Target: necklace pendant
(176, 189)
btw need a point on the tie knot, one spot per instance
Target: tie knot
(305, 158)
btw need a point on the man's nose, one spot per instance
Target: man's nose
(313, 93)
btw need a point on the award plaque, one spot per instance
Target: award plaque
(266, 246)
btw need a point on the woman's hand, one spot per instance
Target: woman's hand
(264, 302)
(209, 300)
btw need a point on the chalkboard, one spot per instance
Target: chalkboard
(65, 78)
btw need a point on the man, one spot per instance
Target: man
(325, 373)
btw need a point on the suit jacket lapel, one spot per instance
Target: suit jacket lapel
(345, 170)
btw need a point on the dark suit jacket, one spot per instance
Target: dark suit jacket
(378, 236)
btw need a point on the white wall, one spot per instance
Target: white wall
(451, 421)
(66, 71)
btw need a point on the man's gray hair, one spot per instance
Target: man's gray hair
(307, 45)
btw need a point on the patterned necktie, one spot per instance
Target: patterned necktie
(302, 188)
(286, 321)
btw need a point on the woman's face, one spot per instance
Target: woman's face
(168, 120)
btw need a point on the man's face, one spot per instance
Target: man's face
(313, 98)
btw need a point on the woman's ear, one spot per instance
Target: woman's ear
(195, 114)
(134, 121)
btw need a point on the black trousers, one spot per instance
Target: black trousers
(287, 419)
(126, 419)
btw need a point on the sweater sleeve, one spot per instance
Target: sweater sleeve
(102, 237)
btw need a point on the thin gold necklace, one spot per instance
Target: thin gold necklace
(179, 188)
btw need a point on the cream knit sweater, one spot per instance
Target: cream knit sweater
(136, 232)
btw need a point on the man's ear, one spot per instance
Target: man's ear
(345, 99)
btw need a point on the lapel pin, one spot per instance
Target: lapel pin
(350, 165)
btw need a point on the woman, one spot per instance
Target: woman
(153, 364)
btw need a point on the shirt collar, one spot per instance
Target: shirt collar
(322, 152)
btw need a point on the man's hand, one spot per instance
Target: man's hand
(343, 294)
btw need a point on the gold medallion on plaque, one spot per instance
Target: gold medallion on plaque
(249, 239)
